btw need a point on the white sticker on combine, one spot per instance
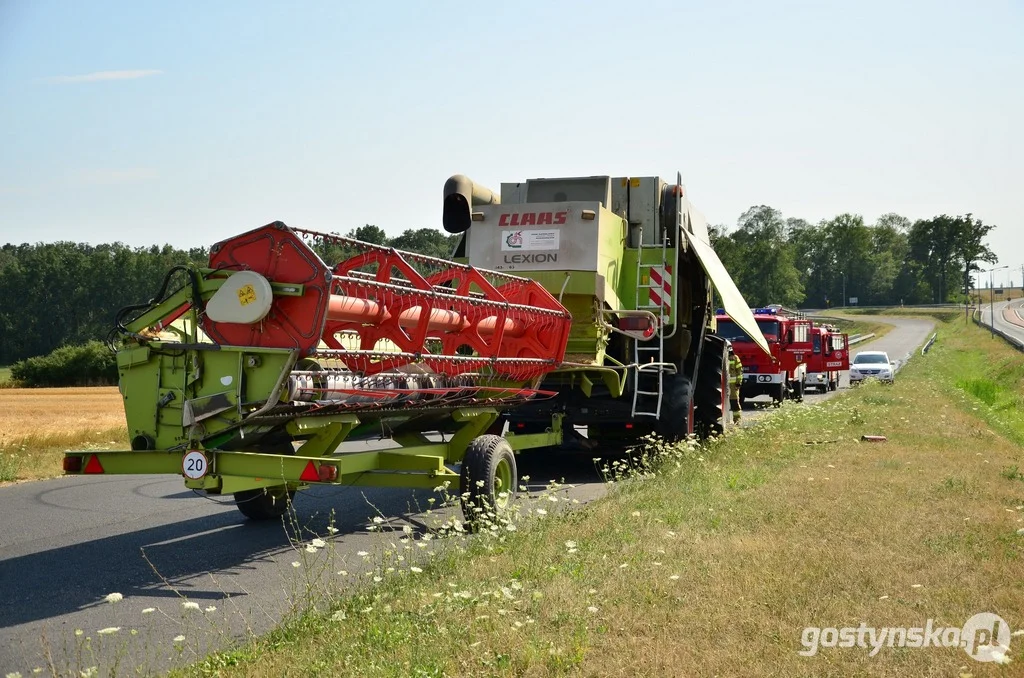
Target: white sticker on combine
(194, 465)
(514, 241)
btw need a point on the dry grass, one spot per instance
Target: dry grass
(716, 566)
(38, 424)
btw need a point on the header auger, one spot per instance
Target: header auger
(269, 345)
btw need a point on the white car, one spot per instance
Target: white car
(872, 364)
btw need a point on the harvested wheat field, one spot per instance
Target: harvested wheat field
(38, 424)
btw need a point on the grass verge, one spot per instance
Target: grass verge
(37, 425)
(718, 564)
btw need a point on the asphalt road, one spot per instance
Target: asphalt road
(1009, 317)
(68, 542)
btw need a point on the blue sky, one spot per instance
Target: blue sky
(188, 122)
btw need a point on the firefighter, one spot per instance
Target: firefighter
(735, 381)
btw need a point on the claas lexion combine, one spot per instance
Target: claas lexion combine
(575, 313)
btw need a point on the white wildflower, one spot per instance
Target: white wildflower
(318, 543)
(148, 610)
(114, 598)
(211, 608)
(362, 554)
(189, 605)
(179, 639)
(415, 570)
(110, 630)
(591, 609)
(296, 563)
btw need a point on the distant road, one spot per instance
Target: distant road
(66, 543)
(1009, 317)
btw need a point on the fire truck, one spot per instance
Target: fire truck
(829, 357)
(781, 372)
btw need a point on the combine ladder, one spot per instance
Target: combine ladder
(649, 356)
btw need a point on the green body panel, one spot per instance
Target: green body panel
(172, 396)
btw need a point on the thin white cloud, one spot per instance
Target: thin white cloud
(100, 76)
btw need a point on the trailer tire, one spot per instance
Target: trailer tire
(779, 396)
(265, 503)
(488, 472)
(712, 395)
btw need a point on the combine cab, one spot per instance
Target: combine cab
(630, 259)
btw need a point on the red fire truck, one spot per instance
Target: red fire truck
(780, 376)
(829, 357)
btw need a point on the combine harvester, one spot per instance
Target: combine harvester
(583, 303)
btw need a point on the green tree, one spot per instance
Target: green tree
(767, 273)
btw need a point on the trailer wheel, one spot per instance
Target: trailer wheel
(488, 476)
(798, 391)
(711, 394)
(779, 395)
(265, 503)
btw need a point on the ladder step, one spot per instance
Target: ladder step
(650, 393)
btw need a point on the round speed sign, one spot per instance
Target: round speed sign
(194, 465)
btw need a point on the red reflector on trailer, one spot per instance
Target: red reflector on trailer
(72, 464)
(629, 426)
(328, 473)
(310, 473)
(93, 465)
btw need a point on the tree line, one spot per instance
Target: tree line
(790, 261)
(66, 293)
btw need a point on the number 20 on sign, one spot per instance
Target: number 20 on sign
(194, 465)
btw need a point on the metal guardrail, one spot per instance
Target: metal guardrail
(857, 338)
(924, 349)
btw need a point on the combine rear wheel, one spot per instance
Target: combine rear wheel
(489, 478)
(712, 393)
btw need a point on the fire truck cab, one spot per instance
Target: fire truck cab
(782, 374)
(829, 357)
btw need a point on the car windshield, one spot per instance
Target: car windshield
(871, 359)
(727, 329)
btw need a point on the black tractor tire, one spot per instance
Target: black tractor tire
(798, 391)
(711, 395)
(779, 396)
(488, 470)
(677, 410)
(265, 503)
